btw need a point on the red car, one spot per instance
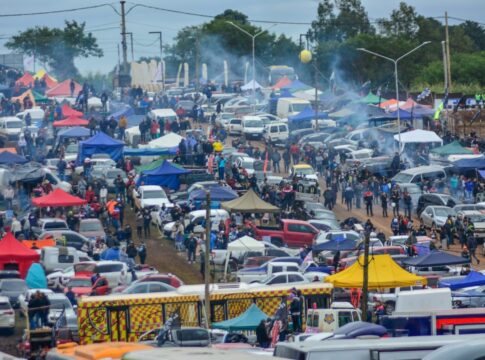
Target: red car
(292, 233)
(82, 285)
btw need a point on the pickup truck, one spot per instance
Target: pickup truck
(291, 233)
(261, 273)
(389, 299)
(147, 196)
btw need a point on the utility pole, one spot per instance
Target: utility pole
(207, 259)
(197, 51)
(161, 56)
(315, 64)
(365, 283)
(445, 72)
(448, 59)
(123, 37)
(131, 44)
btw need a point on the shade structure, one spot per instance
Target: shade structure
(284, 81)
(418, 136)
(403, 114)
(25, 94)
(341, 113)
(36, 278)
(168, 141)
(70, 122)
(436, 258)
(249, 203)
(68, 111)
(384, 273)
(100, 144)
(469, 164)
(14, 254)
(8, 158)
(166, 175)
(64, 89)
(253, 84)
(249, 320)
(75, 132)
(58, 198)
(391, 104)
(297, 85)
(307, 114)
(336, 245)
(370, 98)
(25, 80)
(218, 193)
(453, 148)
(474, 278)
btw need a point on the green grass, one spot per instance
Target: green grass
(456, 88)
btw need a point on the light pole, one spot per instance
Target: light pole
(395, 61)
(253, 37)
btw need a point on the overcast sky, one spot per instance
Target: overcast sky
(104, 22)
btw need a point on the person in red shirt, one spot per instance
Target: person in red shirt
(295, 153)
(95, 205)
(90, 195)
(154, 129)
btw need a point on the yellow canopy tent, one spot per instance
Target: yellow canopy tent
(384, 273)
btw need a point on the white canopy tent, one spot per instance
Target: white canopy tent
(249, 86)
(167, 141)
(307, 94)
(418, 136)
(244, 244)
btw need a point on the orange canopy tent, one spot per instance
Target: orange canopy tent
(284, 81)
(39, 243)
(71, 122)
(22, 96)
(410, 103)
(58, 198)
(26, 80)
(12, 150)
(16, 256)
(64, 89)
(68, 111)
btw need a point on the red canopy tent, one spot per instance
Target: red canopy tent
(64, 89)
(410, 103)
(71, 121)
(58, 198)
(68, 111)
(26, 80)
(16, 256)
(284, 81)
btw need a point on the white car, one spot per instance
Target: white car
(150, 195)
(197, 217)
(289, 277)
(436, 216)
(116, 272)
(57, 280)
(59, 303)
(25, 298)
(7, 315)
(249, 163)
(338, 234)
(97, 162)
(223, 119)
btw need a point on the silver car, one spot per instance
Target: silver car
(435, 216)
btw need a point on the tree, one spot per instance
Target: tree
(476, 33)
(402, 22)
(57, 47)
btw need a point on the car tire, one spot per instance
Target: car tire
(389, 307)
(312, 190)
(301, 188)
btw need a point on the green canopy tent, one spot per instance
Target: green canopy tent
(249, 320)
(453, 148)
(370, 98)
(39, 98)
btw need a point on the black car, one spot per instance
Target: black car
(436, 200)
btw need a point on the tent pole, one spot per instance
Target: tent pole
(207, 259)
(365, 283)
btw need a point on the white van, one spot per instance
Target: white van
(252, 127)
(11, 127)
(235, 126)
(290, 106)
(197, 217)
(163, 114)
(36, 114)
(276, 132)
(418, 174)
(58, 258)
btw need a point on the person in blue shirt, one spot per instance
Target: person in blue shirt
(222, 167)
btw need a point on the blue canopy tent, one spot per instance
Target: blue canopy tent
(166, 175)
(36, 278)
(469, 164)
(403, 114)
(75, 132)
(8, 158)
(125, 111)
(307, 114)
(100, 144)
(297, 85)
(474, 278)
(435, 258)
(248, 320)
(218, 195)
(337, 244)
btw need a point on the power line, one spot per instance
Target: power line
(59, 11)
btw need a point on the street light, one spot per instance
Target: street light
(395, 61)
(253, 37)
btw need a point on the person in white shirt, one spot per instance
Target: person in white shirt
(103, 195)
(8, 194)
(16, 227)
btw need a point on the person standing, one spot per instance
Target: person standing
(139, 225)
(369, 200)
(122, 124)
(395, 198)
(146, 223)
(349, 197)
(276, 158)
(449, 227)
(471, 243)
(262, 336)
(295, 311)
(287, 160)
(222, 167)
(8, 195)
(384, 204)
(406, 197)
(191, 247)
(142, 252)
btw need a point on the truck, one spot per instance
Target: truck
(263, 272)
(147, 196)
(389, 299)
(329, 320)
(290, 106)
(289, 232)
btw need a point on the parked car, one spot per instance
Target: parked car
(116, 272)
(289, 277)
(478, 220)
(49, 224)
(436, 216)
(325, 224)
(7, 315)
(235, 126)
(12, 289)
(436, 199)
(24, 298)
(82, 286)
(147, 287)
(65, 238)
(60, 304)
(469, 207)
(57, 280)
(337, 234)
(91, 228)
(288, 233)
(472, 298)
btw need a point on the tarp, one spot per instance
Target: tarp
(14, 253)
(308, 94)
(64, 89)
(8, 158)
(249, 203)
(453, 148)
(166, 175)
(50, 81)
(218, 193)
(75, 132)
(470, 164)
(68, 111)
(403, 114)
(58, 198)
(391, 104)
(435, 258)
(39, 98)
(284, 81)
(26, 80)
(307, 114)
(36, 278)
(418, 136)
(474, 278)
(126, 111)
(170, 140)
(297, 85)
(336, 245)
(149, 152)
(245, 243)
(250, 85)
(370, 98)
(70, 122)
(100, 144)
(384, 273)
(248, 320)
(39, 243)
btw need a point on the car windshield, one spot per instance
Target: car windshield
(60, 304)
(443, 212)
(305, 171)
(114, 174)
(254, 123)
(55, 225)
(247, 164)
(412, 189)
(13, 285)
(13, 125)
(402, 178)
(79, 283)
(299, 107)
(154, 194)
(476, 218)
(90, 226)
(72, 149)
(85, 267)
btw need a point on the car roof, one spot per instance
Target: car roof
(4, 299)
(420, 169)
(57, 296)
(150, 187)
(470, 212)
(302, 166)
(90, 220)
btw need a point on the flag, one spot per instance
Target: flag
(333, 82)
(173, 322)
(476, 116)
(61, 321)
(282, 311)
(438, 112)
(460, 102)
(266, 160)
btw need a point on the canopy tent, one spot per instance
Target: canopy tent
(58, 198)
(100, 144)
(124, 111)
(168, 141)
(243, 244)
(435, 258)
(403, 115)
(283, 82)
(474, 278)
(249, 320)
(39, 98)
(36, 278)
(249, 203)
(470, 164)
(419, 136)
(307, 114)
(70, 122)
(342, 113)
(370, 98)
(150, 166)
(391, 104)
(8, 158)
(338, 244)
(410, 103)
(50, 81)
(453, 148)
(384, 273)
(308, 94)
(64, 89)
(166, 175)
(22, 96)
(218, 193)
(297, 85)
(148, 152)
(25, 80)
(42, 74)
(75, 132)
(253, 84)
(68, 111)
(16, 256)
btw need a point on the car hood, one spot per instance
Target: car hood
(93, 234)
(479, 225)
(153, 202)
(253, 130)
(81, 290)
